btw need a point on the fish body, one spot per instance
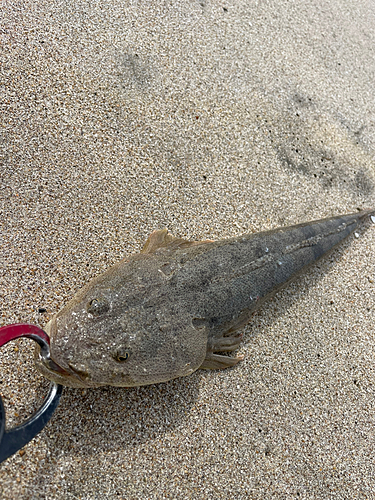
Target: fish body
(177, 306)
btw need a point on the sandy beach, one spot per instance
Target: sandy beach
(210, 119)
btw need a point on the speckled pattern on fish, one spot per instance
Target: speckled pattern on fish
(174, 307)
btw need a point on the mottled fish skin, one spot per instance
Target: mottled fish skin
(177, 305)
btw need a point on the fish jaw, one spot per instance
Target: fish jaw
(57, 371)
(68, 380)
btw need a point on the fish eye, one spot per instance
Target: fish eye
(98, 306)
(121, 355)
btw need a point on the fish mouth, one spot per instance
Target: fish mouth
(45, 354)
(72, 376)
(51, 365)
(44, 359)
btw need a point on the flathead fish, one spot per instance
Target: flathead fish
(177, 306)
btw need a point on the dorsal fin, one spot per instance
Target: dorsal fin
(161, 239)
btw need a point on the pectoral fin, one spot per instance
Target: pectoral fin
(217, 362)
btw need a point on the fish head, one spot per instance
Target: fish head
(126, 331)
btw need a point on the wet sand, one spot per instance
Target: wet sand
(212, 120)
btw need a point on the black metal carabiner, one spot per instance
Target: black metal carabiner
(14, 439)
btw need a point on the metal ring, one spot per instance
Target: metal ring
(14, 439)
